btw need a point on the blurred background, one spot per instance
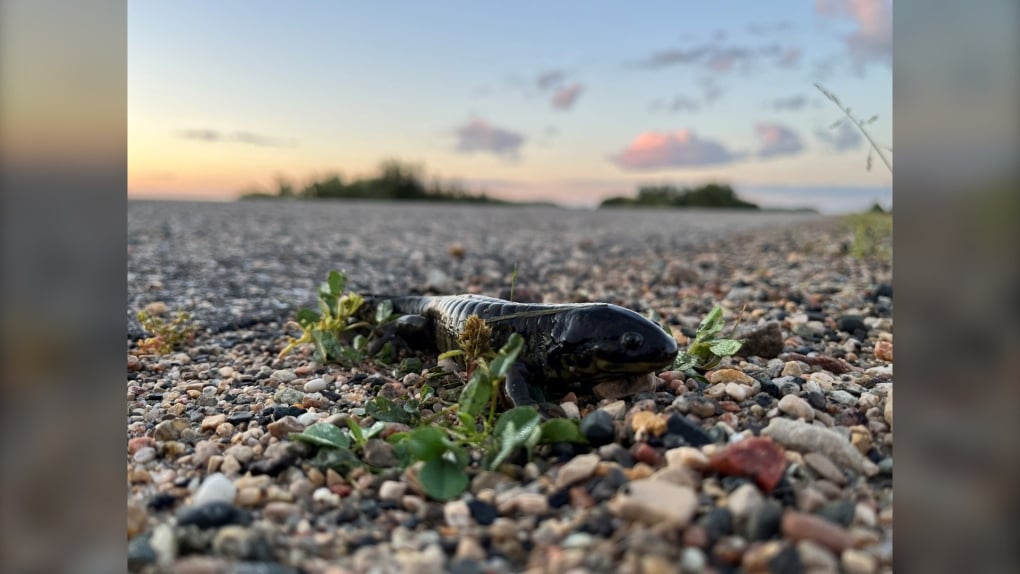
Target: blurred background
(568, 102)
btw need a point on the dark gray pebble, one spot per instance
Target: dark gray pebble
(683, 427)
(851, 324)
(838, 511)
(212, 515)
(717, 523)
(786, 562)
(140, 553)
(763, 523)
(483, 512)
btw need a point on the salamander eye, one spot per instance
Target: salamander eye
(631, 340)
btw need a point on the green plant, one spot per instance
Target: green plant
(706, 350)
(872, 235)
(165, 336)
(333, 328)
(860, 125)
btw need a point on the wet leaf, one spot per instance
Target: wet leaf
(442, 479)
(476, 394)
(323, 434)
(561, 430)
(725, 347)
(426, 443)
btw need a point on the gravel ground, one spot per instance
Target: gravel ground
(782, 462)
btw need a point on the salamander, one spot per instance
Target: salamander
(563, 343)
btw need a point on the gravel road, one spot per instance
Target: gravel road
(234, 264)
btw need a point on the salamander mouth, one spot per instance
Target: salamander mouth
(630, 367)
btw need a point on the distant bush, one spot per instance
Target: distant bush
(711, 195)
(396, 181)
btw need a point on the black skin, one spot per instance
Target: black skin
(564, 344)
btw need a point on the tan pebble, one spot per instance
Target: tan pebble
(729, 376)
(316, 477)
(213, 464)
(230, 466)
(680, 475)
(654, 501)
(737, 391)
(687, 456)
(156, 308)
(858, 562)
(577, 469)
(802, 526)
(279, 511)
(756, 559)
(654, 564)
(639, 471)
(139, 476)
(864, 515)
(824, 467)
(137, 518)
(816, 557)
(248, 496)
(884, 351)
(888, 412)
(225, 430)
(137, 443)
(648, 422)
(792, 369)
(796, 407)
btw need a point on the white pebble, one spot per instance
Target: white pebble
(215, 488)
(315, 385)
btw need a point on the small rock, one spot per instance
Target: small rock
(858, 562)
(765, 342)
(234, 542)
(653, 501)
(843, 398)
(483, 512)
(851, 324)
(646, 423)
(760, 459)
(315, 385)
(643, 452)
(702, 406)
(203, 451)
(531, 504)
(745, 500)
(791, 369)
(615, 409)
(283, 375)
(215, 488)
(824, 467)
(597, 427)
(800, 526)
(804, 437)
(839, 512)
(212, 515)
(212, 421)
(144, 455)
(736, 391)
(577, 469)
(884, 351)
(283, 427)
(280, 512)
(379, 453)
(686, 456)
(692, 561)
(729, 376)
(764, 521)
(816, 558)
(888, 412)
(288, 396)
(392, 490)
(683, 427)
(796, 407)
(457, 514)
(570, 411)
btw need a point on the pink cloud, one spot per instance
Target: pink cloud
(565, 97)
(777, 140)
(681, 148)
(478, 135)
(871, 39)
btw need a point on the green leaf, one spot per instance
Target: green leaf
(523, 421)
(476, 394)
(442, 479)
(561, 430)
(306, 318)
(349, 304)
(712, 323)
(383, 311)
(411, 365)
(376, 428)
(383, 409)
(359, 437)
(426, 443)
(450, 354)
(323, 434)
(337, 282)
(507, 355)
(386, 353)
(506, 445)
(684, 361)
(426, 392)
(341, 460)
(725, 347)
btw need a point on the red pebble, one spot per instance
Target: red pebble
(648, 455)
(757, 458)
(139, 442)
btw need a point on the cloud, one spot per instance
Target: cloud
(683, 103)
(550, 79)
(479, 136)
(777, 140)
(842, 138)
(214, 136)
(716, 57)
(682, 148)
(871, 39)
(565, 97)
(790, 103)
(768, 29)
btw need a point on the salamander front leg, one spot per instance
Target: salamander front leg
(516, 389)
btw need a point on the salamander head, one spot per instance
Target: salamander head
(606, 341)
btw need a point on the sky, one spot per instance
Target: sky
(569, 102)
